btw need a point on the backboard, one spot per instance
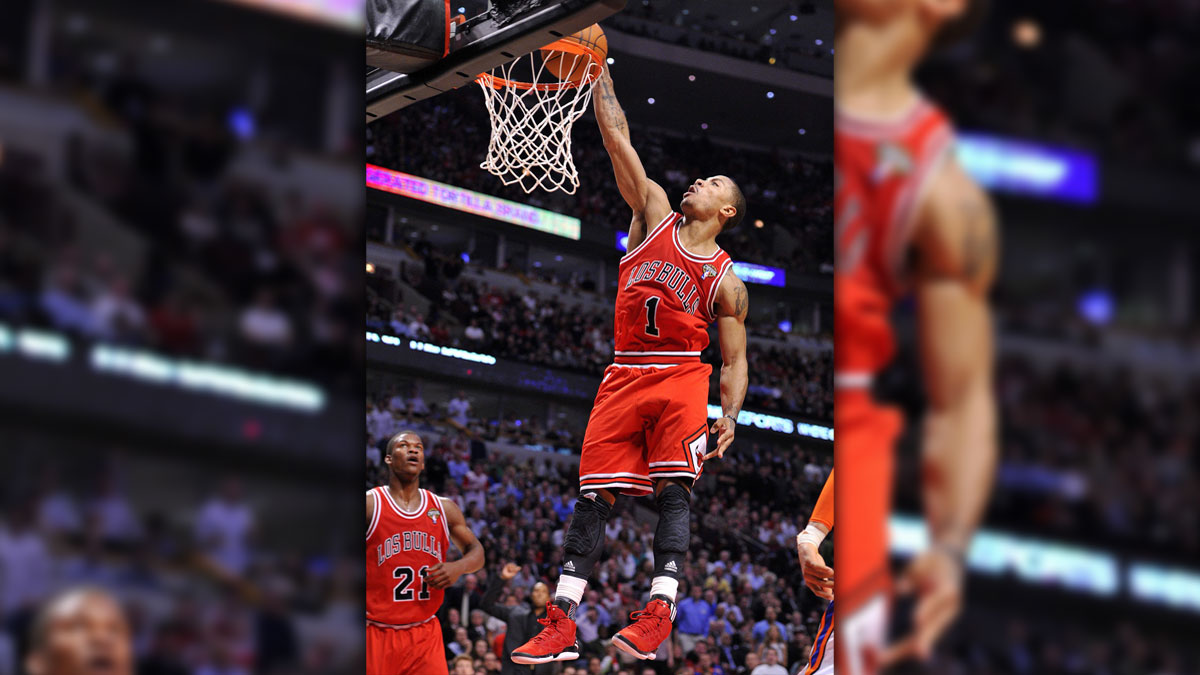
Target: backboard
(490, 37)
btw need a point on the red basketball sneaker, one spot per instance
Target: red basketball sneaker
(649, 628)
(556, 642)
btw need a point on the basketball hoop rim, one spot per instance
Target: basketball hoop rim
(560, 45)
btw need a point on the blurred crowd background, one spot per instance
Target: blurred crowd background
(180, 292)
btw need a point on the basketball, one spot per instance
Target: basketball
(571, 66)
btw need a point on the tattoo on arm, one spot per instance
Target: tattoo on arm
(608, 109)
(737, 305)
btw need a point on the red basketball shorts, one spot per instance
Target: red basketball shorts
(646, 423)
(416, 650)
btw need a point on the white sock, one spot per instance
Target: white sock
(664, 586)
(571, 588)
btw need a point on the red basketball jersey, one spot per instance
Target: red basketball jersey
(401, 547)
(665, 298)
(881, 171)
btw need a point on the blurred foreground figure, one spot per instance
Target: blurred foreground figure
(81, 631)
(909, 220)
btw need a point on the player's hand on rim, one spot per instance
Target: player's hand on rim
(936, 577)
(724, 428)
(817, 575)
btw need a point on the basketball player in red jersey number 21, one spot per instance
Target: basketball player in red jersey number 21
(409, 531)
(648, 429)
(909, 221)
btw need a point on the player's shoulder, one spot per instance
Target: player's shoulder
(956, 229)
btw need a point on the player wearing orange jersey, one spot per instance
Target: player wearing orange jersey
(909, 221)
(819, 578)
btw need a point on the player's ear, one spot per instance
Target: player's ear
(729, 211)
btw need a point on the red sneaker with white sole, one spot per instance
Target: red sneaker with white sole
(649, 628)
(556, 642)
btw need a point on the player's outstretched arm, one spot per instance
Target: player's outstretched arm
(956, 246)
(444, 574)
(817, 575)
(732, 307)
(647, 198)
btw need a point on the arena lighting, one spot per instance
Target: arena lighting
(215, 379)
(1047, 563)
(1029, 168)
(775, 423)
(427, 348)
(1032, 560)
(469, 201)
(747, 272)
(38, 345)
(1169, 586)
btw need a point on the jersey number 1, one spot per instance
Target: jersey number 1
(651, 310)
(404, 591)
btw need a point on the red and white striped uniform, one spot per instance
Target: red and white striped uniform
(401, 547)
(882, 171)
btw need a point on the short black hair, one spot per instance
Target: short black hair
(396, 437)
(962, 26)
(739, 203)
(39, 627)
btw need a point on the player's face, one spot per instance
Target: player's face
(705, 197)
(87, 634)
(407, 457)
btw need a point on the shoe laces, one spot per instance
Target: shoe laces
(637, 615)
(548, 620)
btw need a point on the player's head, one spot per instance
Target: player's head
(540, 594)
(717, 197)
(406, 454)
(80, 631)
(940, 22)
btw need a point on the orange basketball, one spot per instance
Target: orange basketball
(571, 66)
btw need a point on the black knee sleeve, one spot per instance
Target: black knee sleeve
(673, 534)
(585, 537)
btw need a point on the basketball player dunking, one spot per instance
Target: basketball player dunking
(648, 430)
(409, 531)
(908, 220)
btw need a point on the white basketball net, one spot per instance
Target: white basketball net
(532, 117)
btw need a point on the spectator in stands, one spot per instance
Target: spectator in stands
(463, 665)
(264, 325)
(694, 614)
(770, 665)
(459, 408)
(113, 516)
(25, 563)
(224, 527)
